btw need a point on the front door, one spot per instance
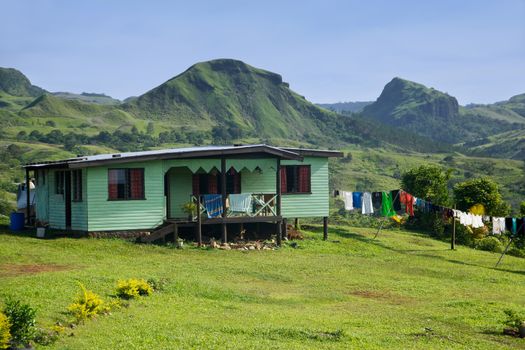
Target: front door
(67, 197)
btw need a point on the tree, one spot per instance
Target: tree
(522, 208)
(428, 182)
(150, 128)
(482, 191)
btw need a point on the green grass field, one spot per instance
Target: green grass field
(401, 291)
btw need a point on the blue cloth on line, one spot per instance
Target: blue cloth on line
(213, 205)
(241, 203)
(356, 198)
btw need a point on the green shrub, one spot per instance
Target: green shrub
(22, 320)
(86, 305)
(514, 319)
(5, 334)
(133, 288)
(490, 244)
(514, 251)
(157, 284)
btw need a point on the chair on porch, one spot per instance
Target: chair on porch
(240, 204)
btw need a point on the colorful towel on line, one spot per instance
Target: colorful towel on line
(241, 203)
(213, 205)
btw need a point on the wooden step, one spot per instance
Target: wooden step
(160, 233)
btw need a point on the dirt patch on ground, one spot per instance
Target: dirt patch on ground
(382, 296)
(8, 270)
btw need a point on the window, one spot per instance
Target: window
(295, 179)
(76, 180)
(59, 182)
(126, 184)
(211, 183)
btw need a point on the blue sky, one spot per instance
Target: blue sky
(328, 51)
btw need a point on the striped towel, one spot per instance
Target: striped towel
(213, 205)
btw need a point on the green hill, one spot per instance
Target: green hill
(14, 83)
(231, 94)
(102, 99)
(435, 114)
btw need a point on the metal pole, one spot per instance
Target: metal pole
(223, 190)
(382, 222)
(199, 227)
(505, 251)
(453, 240)
(278, 191)
(28, 198)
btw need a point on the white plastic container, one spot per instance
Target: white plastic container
(40, 232)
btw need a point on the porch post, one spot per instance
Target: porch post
(285, 228)
(296, 224)
(223, 190)
(199, 227)
(278, 191)
(28, 197)
(325, 228)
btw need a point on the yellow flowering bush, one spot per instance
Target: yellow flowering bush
(133, 288)
(86, 305)
(5, 335)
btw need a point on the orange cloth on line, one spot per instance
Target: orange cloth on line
(408, 201)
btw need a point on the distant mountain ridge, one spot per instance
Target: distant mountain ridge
(343, 107)
(434, 114)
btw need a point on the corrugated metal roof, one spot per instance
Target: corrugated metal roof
(78, 162)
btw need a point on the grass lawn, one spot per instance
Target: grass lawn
(401, 291)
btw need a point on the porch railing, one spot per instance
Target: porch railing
(260, 204)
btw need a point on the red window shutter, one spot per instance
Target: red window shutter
(283, 180)
(212, 184)
(136, 177)
(304, 179)
(112, 183)
(195, 181)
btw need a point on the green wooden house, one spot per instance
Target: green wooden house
(153, 189)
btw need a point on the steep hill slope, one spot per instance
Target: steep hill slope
(14, 83)
(230, 93)
(250, 102)
(434, 114)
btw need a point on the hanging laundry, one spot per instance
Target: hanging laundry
(396, 200)
(514, 226)
(508, 224)
(387, 208)
(477, 221)
(408, 201)
(367, 207)
(498, 226)
(377, 200)
(357, 199)
(520, 223)
(348, 199)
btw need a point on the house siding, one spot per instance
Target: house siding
(42, 196)
(309, 205)
(180, 191)
(106, 215)
(57, 206)
(79, 210)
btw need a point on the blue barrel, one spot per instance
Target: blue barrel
(17, 221)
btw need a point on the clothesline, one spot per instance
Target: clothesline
(391, 203)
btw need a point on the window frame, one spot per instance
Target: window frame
(76, 186)
(128, 184)
(60, 182)
(296, 174)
